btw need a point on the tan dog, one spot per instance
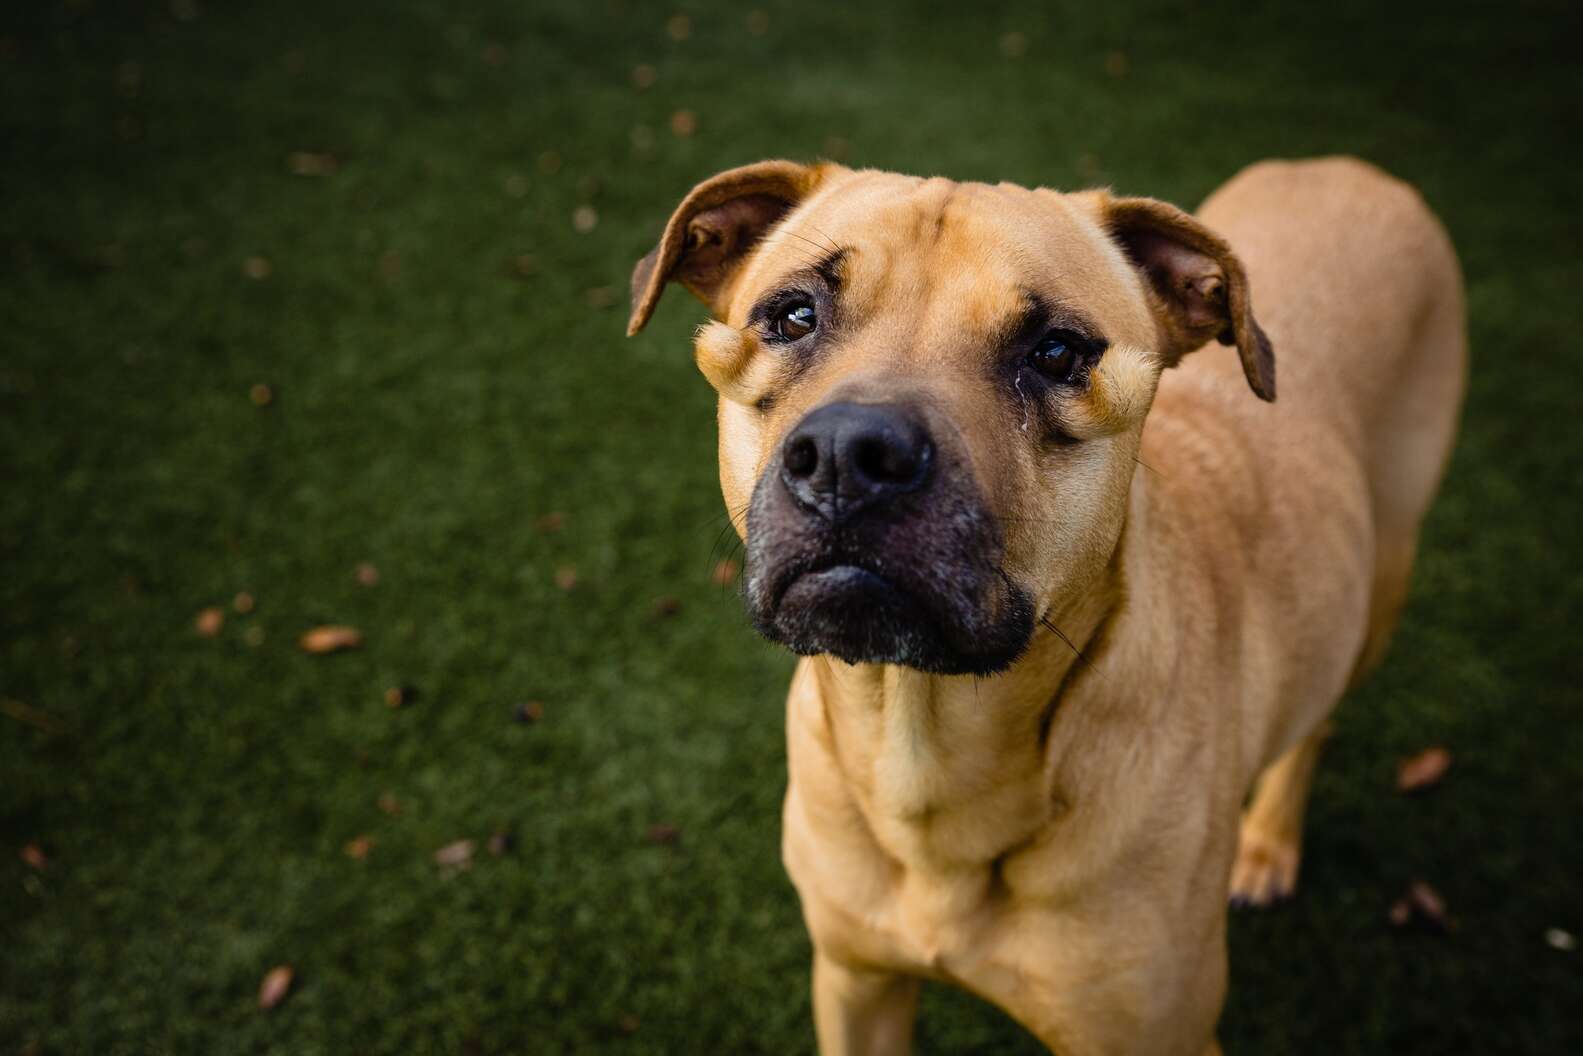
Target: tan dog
(1038, 680)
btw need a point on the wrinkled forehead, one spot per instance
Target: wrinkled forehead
(971, 253)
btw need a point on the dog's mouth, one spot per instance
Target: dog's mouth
(920, 588)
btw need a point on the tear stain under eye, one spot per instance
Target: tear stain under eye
(1024, 397)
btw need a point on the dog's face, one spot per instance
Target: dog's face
(931, 393)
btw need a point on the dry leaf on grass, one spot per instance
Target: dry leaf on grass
(551, 522)
(330, 639)
(210, 621)
(684, 123)
(243, 603)
(261, 395)
(1423, 770)
(400, 696)
(1421, 904)
(502, 842)
(529, 711)
(277, 983)
(457, 855)
(311, 163)
(667, 606)
(35, 857)
(661, 834)
(566, 577)
(389, 803)
(725, 573)
(359, 846)
(367, 574)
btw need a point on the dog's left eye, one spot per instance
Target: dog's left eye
(1057, 356)
(796, 320)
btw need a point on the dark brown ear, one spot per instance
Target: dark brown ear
(1197, 286)
(710, 233)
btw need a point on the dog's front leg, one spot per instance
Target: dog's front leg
(861, 1011)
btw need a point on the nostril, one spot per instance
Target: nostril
(887, 460)
(801, 457)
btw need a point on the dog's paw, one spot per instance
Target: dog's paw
(1266, 868)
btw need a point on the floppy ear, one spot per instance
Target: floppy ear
(1197, 286)
(709, 235)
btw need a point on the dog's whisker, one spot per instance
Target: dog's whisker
(1148, 467)
(832, 243)
(1049, 624)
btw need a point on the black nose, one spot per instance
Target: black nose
(846, 456)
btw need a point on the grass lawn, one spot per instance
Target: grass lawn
(414, 224)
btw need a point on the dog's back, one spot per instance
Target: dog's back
(1358, 287)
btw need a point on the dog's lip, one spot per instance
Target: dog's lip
(845, 566)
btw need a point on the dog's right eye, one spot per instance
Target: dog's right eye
(797, 319)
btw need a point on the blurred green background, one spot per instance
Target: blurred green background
(413, 223)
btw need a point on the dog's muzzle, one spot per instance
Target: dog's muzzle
(867, 543)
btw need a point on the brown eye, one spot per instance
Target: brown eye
(796, 320)
(1055, 357)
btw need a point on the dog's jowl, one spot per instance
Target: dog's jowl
(1074, 592)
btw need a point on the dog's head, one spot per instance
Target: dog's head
(931, 393)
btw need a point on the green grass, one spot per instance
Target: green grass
(196, 794)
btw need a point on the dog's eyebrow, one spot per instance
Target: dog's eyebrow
(1037, 314)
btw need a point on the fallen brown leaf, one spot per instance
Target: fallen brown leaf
(21, 712)
(367, 574)
(35, 857)
(277, 983)
(528, 711)
(566, 577)
(257, 268)
(458, 854)
(1423, 770)
(331, 639)
(400, 696)
(725, 573)
(210, 621)
(550, 522)
(261, 395)
(502, 842)
(522, 266)
(680, 27)
(667, 606)
(389, 803)
(629, 1024)
(1423, 905)
(661, 834)
(644, 76)
(242, 603)
(359, 846)
(684, 123)
(311, 163)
